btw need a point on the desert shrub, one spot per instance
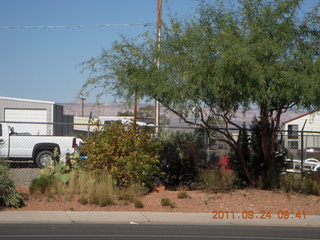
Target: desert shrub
(214, 180)
(105, 200)
(181, 156)
(41, 184)
(182, 195)
(93, 187)
(9, 196)
(128, 154)
(308, 184)
(316, 176)
(166, 202)
(54, 179)
(138, 204)
(83, 200)
(132, 192)
(124, 196)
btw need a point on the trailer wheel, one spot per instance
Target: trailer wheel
(44, 159)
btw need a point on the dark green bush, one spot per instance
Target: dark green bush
(9, 196)
(250, 142)
(41, 184)
(138, 204)
(166, 202)
(181, 156)
(129, 155)
(83, 200)
(182, 195)
(214, 180)
(308, 184)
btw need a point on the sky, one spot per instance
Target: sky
(44, 64)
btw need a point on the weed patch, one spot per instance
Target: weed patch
(166, 202)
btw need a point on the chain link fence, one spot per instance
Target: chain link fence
(303, 150)
(18, 139)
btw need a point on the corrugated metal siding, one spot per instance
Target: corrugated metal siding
(8, 103)
(26, 105)
(54, 114)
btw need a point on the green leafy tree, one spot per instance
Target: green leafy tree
(224, 58)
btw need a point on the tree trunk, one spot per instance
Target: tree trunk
(269, 175)
(248, 173)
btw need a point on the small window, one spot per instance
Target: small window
(293, 145)
(0, 130)
(293, 132)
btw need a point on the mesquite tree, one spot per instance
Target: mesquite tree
(259, 52)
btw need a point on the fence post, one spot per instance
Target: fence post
(302, 148)
(89, 121)
(208, 148)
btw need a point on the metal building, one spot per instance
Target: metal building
(44, 114)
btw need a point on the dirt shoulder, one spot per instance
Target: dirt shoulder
(198, 202)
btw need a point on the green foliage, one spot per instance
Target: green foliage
(105, 200)
(128, 154)
(59, 171)
(262, 53)
(182, 195)
(166, 202)
(250, 142)
(132, 192)
(306, 185)
(95, 187)
(138, 204)
(216, 181)
(181, 156)
(41, 184)
(9, 196)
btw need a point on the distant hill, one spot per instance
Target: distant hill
(112, 108)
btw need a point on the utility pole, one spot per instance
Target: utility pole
(135, 109)
(82, 105)
(159, 24)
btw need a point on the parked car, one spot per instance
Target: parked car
(310, 165)
(312, 160)
(38, 148)
(311, 152)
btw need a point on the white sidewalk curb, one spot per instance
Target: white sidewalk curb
(69, 217)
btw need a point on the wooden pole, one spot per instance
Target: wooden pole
(135, 109)
(159, 24)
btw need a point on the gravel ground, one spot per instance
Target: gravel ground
(238, 201)
(22, 173)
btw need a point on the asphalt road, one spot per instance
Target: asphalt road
(153, 231)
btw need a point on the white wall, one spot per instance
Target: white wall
(312, 124)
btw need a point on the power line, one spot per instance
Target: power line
(79, 26)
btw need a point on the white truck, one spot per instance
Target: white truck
(38, 148)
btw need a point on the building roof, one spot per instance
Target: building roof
(26, 100)
(300, 116)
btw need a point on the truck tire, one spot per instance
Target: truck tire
(44, 159)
